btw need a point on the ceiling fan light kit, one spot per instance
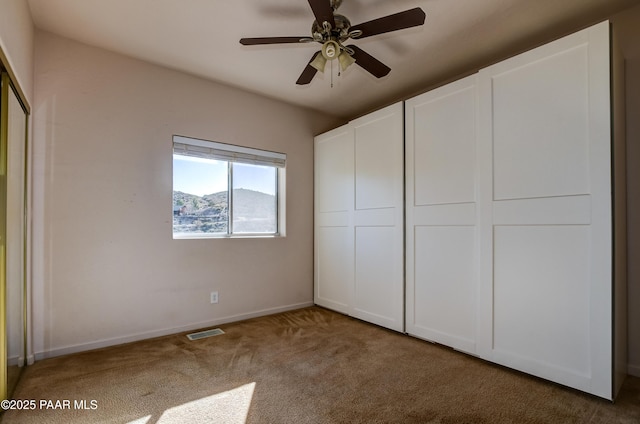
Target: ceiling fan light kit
(332, 30)
(345, 60)
(319, 62)
(330, 49)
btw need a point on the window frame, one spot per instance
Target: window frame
(245, 155)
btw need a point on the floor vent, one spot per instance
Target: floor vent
(204, 334)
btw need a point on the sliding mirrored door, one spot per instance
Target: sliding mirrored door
(13, 135)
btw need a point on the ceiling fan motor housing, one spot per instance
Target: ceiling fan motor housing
(339, 33)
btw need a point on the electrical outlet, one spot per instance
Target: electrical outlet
(214, 297)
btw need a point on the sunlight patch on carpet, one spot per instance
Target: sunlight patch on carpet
(143, 420)
(230, 407)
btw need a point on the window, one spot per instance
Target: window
(221, 190)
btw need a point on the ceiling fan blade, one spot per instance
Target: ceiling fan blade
(274, 40)
(407, 19)
(369, 63)
(322, 11)
(309, 72)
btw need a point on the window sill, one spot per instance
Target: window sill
(192, 236)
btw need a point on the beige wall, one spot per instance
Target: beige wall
(627, 31)
(106, 267)
(16, 42)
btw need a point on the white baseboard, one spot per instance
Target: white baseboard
(633, 369)
(164, 332)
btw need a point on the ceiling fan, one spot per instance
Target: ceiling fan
(332, 30)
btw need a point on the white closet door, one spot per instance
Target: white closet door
(442, 249)
(546, 242)
(378, 218)
(334, 236)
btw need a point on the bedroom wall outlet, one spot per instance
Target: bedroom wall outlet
(214, 297)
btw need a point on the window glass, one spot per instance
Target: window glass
(254, 199)
(221, 190)
(200, 196)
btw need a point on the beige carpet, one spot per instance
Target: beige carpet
(306, 366)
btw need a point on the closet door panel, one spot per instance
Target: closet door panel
(441, 186)
(333, 240)
(541, 295)
(375, 299)
(546, 212)
(334, 171)
(378, 163)
(333, 268)
(444, 287)
(444, 148)
(378, 218)
(540, 127)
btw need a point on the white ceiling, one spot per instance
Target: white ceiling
(200, 37)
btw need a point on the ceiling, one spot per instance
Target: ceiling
(200, 37)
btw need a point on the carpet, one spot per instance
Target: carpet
(306, 366)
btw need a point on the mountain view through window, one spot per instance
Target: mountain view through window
(203, 203)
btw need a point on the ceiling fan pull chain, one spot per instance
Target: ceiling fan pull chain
(332, 74)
